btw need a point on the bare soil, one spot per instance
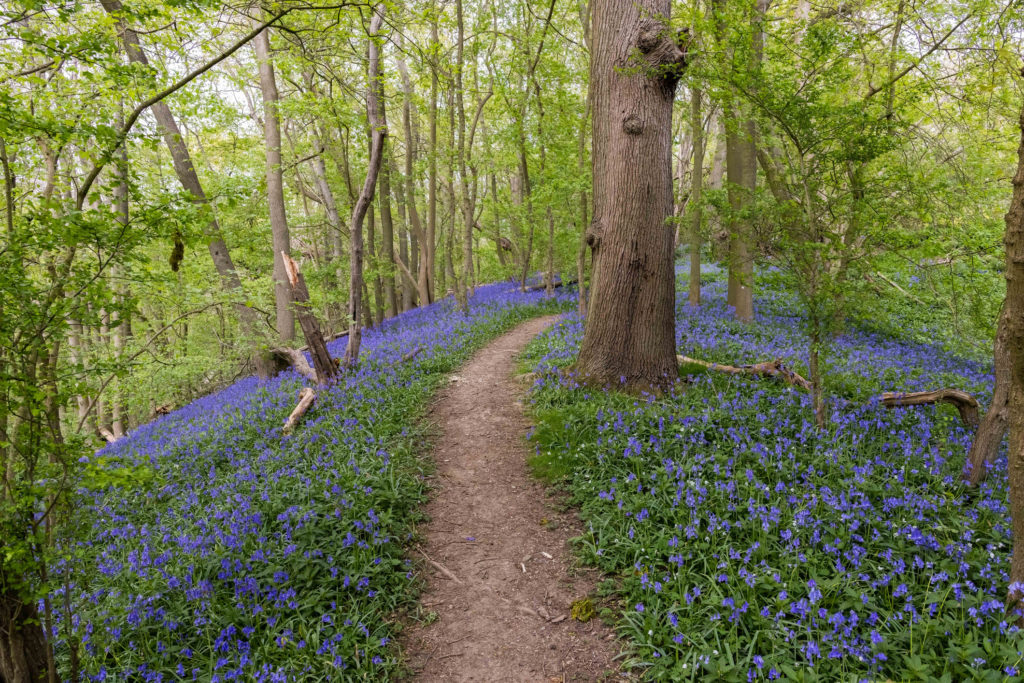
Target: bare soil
(500, 574)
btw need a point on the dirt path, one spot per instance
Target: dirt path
(501, 582)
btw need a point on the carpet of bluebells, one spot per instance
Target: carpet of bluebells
(746, 545)
(248, 555)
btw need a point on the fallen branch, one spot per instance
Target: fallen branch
(412, 354)
(774, 369)
(107, 435)
(895, 285)
(441, 568)
(306, 398)
(964, 402)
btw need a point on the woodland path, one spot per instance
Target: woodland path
(500, 581)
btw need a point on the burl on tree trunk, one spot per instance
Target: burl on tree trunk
(636, 59)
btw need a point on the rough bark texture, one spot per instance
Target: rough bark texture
(630, 329)
(275, 186)
(377, 133)
(990, 434)
(1014, 241)
(22, 646)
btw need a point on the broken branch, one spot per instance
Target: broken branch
(306, 398)
(966, 404)
(775, 369)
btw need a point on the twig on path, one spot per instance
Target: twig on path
(441, 568)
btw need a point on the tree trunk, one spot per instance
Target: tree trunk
(420, 267)
(188, 177)
(696, 189)
(377, 133)
(374, 257)
(741, 171)
(741, 168)
(629, 338)
(992, 430)
(387, 236)
(22, 643)
(1014, 310)
(429, 244)
(387, 232)
(275, 186)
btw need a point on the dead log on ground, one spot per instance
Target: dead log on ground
(323, 365)
(964, 402)
(774, 369)
(306, 398)
(107, 435)
(961, 400)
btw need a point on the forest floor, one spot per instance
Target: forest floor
(502, 576)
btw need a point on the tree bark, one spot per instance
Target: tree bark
(696, 188)
(22, 644)
(429, 244)
(377, 134)
(387, 237)
(275, 186)
(990, 434)
(629, 338)
(741, 172)
(1014, 311)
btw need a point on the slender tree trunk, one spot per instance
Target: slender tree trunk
(696, 189)
(186, 172)
(387, 236)
(377, 133)
(420, 267)
(741, 168)
(374, 256)
(429, 244)
(275, 186)
(629, 340)
(463, 150)
(1014, 311)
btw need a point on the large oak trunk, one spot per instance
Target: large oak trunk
(630, 330)
(1014, 323)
